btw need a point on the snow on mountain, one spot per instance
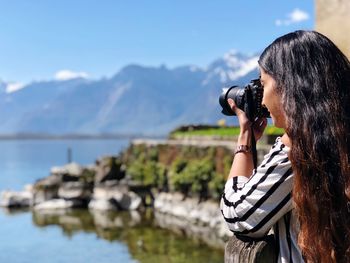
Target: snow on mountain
(68, 74)
(14, 86)
(232, 66)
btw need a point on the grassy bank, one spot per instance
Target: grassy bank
(221, 131)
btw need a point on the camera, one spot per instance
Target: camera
(247, 98)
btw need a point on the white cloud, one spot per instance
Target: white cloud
(68, 74)
(296, 16)
(14, 86)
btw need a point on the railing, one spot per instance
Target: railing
(246, 250)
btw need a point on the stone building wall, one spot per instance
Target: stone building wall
(333, 20)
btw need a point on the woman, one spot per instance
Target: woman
(302, 187)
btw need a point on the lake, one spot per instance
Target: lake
(80, 235)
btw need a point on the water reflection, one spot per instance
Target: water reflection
(143, 233)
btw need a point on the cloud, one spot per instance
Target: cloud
(14, 86)
(296, 16)
(68, 74)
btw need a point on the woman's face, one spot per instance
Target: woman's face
(272, 100)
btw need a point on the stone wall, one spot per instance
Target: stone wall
(332, 20)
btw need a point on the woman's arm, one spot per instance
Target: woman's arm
(252, 206)
(242, 164)
(253, 200)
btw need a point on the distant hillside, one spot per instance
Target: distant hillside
(137, 100)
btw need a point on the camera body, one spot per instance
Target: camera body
(247, 98)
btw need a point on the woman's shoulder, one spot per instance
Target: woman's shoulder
(280, 144)
(286, 140)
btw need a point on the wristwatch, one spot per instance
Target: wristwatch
(242, 149)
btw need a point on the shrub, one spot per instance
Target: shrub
(178, 181)
(193, 172)
(192, 177)
(147, 171)
(216, 185)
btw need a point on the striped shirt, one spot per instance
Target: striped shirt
(252, 206)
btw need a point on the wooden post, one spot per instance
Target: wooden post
(69, 155)
(246, 250)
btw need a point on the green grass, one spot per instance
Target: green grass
(224, 131)
(272, 130)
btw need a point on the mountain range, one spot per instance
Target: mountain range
(137, 100)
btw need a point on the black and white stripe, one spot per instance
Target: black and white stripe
(251, 207)
(286, 232)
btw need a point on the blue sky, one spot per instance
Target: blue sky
(41, 38)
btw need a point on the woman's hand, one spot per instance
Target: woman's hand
(245, 125)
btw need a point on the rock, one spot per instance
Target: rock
(109, 192)
(16, 199)
(110, 197)
(223, 231)
(43, 195)
(46, 188)
(71, 181)
(165, 202)
(189, 211)
(129, 201)
(57, 204)
(102, 204)
(50, 181)
(72, 169)
(74, 172)
(109, 168)
(175, 204)
(75, 190)
(207, 213)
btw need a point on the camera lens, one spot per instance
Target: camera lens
(235, 93)
(247, 98)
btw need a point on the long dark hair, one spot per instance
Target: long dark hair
(313, 79)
